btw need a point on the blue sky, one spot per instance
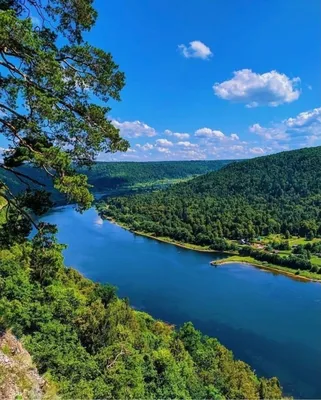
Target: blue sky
(214, 79)
(274, 45)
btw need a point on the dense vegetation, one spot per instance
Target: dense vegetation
(91, 344)
(292, 261)
(118, 174)
(108, 176)
(280, 193)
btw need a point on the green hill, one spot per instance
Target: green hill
(279, 193)
(118, 177)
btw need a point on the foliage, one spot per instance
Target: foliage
(94, 345)
(280, 245)
(292, 261)
(280, 193)
(114, 177)
(52, 85)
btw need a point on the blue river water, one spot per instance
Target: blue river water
(270, 321)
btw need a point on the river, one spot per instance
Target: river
(270, 321)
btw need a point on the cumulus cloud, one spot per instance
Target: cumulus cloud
(196, 49)
(234, 136)
(164, 143)
(271, 133)
(187, 144)
(134, 129)
(270, 88)
(237, 148)
(163, 150)
(305, 119)
(145, 147)
(256, 150)
(177, 134)
(306, 124)
(209, 133)
(193, 155)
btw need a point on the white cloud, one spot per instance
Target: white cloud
(272, 133)
(164, 143)
(176, 134)
(187, 144)
(270, 88)
(134, 129)
(237, 148)
(303, 129)
(196, 49)
(193, 155)
(256, 150)
(130, 156)
(305, 119)
(181, 135)
(306, 124)
(163, 150)
(209, 133)
(145, 147)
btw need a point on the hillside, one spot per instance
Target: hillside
(93, 345)
(112, 176)
(274, 194)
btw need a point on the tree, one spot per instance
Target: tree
(54, 87)
(287, 235)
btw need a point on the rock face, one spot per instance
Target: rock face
(19, 379)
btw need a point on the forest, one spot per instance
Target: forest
(90, 344)
(113, 177)
(276, 194)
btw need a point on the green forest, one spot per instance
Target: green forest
(113, 177)
(275, 194)
(235, 208)
(91, 345)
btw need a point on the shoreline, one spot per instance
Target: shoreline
(273, 269)
(169, 241)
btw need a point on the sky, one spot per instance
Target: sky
(213, 79)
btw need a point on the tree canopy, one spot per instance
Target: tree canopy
(54, 94)
(92, 345)
(275, 194)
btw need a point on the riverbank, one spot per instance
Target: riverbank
(188, 246)
(232, 256)
(267, 267)
(178, 285)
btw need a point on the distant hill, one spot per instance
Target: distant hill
(119, 174)
(105, 176)
(271, 194)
